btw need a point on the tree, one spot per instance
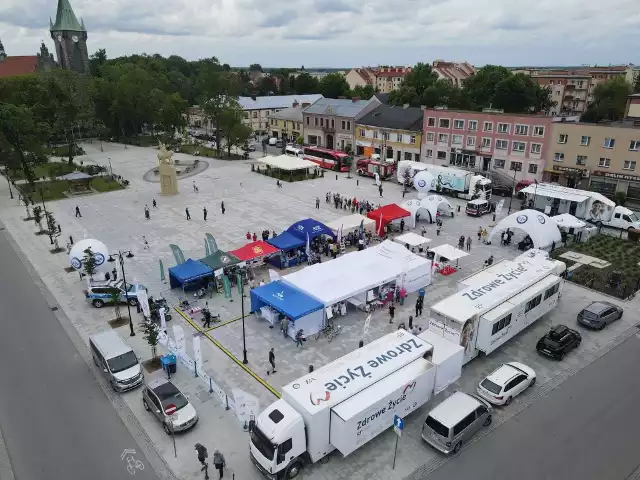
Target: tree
(636, 83)
(543, 101)
(514, 94)
(172, 115)
(421, 86)
(232, 127)
(365, 92)
(52, 229)
(89, 263)
(151, 333)
(305, 84)
(37, 217)
(609, 101)
(481, 87)
(97, 61)
(333, 85)
(255, 67)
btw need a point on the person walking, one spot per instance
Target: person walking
(219, 462)
(317, 203)
(272, 361)
(438, 228)
(255, 237)
(469, 243)
(195, 188)
(146, 244)
(461, 242)
(147, 214)
(204, 213)
(202, 458)
(299, 338)
(114, 274)
(402, 226)
(154, 204)
(420, 305)
(248, 236)
(284, 326)
(222, 207)
(78, 214)
(186, 210)
(479, 234)
(380, 190)
(392, 312)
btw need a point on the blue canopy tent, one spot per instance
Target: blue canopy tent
(187, 273)
(303, 311)
(311, 227)
(291, 250)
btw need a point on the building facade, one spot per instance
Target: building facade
(331, 122)
(257, 110)
(455, 72)
(507, 145)
(394, 133)
(389, 79)
(70, 39)
(24, 64)
(288, 123)
(360, 77)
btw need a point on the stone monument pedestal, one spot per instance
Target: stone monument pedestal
(168, 180)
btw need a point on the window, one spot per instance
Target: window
(634, 145)
(501, 324)
(486, 143)
(562, 138)
(497, 163)
(308, 120)
(322, 122)
(558, 157)
(399, 136)
(407, 155)
(254, 114)
(585, 140)
(443, 138)
(629, 165)
(431, 137)
(533, 168)
(533, 303)
(343, 124)
(503, 128)
(551, 291)
(522, 130)
(348, 125)
(502, 144)
(471, 141)
(464, 423)
(458, 124)
(429, 153)
(456, 139)
(442, 155)
(431, 122)
(375, 134)
(581, 159)
(518, 146)
(362, 132)
(316, 121)
(609, 142)
(445, 123)
(515, 166)
(473, 125)
(385, 135)
(412, 139)
(604, 162)
(536, 148)
(332, 123)
(487, 127)
(538, 131)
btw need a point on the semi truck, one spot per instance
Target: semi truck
(344, 404)
(460, 183)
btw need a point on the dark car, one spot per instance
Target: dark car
(599, 314)
(558, 341)
(502, 190)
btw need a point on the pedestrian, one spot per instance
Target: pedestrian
(154, 204)
(392, 312)
(202, 457)
(469, 243)
(147, 215)
(423, 231)
(361, 344)
(218, 461)
(380, 190)
(479, 234)
(222, 207)
(206, 318)
(438, 228)
(186, 210)
(300, 338)
(114, 274)
(461, 242)
(417, 306)
(204, 213)
(78, 214)
(272, 361)
(248, 236)
(485, 235)
(420, 305)
(195, 188)
(146, 244)
(317, 203)
(255, 237)
(410, 322)
(284, 325)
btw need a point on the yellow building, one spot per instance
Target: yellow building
(287, 123)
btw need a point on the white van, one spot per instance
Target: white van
(117, 361)
(293, 150)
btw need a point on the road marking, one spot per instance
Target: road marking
(133, 463)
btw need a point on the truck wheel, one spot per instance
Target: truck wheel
(457, 448)
(98, 303)
(294, 470)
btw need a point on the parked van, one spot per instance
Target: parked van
(117, 361)
(478, 207)
(293, 150)
(455, 421)
(272, 141)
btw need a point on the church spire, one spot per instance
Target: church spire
(66, 19)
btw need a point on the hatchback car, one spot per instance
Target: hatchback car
(599, 314)
(558, 341)
(506, 382)
(161, 396)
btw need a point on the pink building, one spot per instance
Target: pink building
(490, 141)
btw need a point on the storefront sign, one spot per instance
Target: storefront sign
(617, 176)
(583, 171)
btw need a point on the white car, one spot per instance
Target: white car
(506, 382)
(293, 150)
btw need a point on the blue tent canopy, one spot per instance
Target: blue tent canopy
(311, 227)
(286, 241)
(286, 299)
(189, 271)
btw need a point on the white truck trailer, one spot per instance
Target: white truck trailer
(344, 404)
(462, 183)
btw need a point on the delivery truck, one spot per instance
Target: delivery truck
(344, 404)
(460, 183)
(407, 169)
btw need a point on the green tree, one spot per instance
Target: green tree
(514, 94)
(97, 61)
(421, 87)
(232, 127)
(636, 83)
(364, 92)
(609, 101)
(151, 333)
(89, 263)
(305, 84)
(37, 217)
(172, 115)
(543, 101)
(333, 85)
(481, 87)
(255, 67)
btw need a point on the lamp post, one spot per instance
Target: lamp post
(244, 342)
(535, 192)
(513, 190)
(6, 174)
(44, 207)
(121, 256)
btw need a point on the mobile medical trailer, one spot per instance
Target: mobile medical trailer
(498, 304)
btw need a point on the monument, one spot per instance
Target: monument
(167, 170)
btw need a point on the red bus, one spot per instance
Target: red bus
(329, 159)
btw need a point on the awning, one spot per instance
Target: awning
(411, 239)
(287, 162)
(254, 250)
(310, 227)
(286, 241)
(566, 220)
(386, 214)
(554, 191)
(351, 223)
(284, 298)
(220, 259)
(189, 271)
(449, 252)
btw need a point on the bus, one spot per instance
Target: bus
(329, 159)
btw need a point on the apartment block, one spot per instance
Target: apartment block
(360, 77)
(455, 72)
(389, 79)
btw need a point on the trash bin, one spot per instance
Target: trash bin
(168, 363)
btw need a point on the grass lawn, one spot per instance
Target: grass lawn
(208, 152)
(623, 255)
(56, 189)
(142, 141)
(44, 170)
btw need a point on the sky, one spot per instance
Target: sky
(343, 33)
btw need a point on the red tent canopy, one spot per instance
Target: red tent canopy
(387, 214)
(254, 250)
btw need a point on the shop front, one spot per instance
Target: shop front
(463, 158)
(608, 183)
(572, 177)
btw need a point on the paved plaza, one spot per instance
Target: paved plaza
(254, 203)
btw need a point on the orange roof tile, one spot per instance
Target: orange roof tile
(19, 65)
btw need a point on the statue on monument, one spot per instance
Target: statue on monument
(165, 157)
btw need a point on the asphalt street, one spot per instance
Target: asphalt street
(55, 418)
(587, 428)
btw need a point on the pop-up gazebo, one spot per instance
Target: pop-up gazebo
(387, 214)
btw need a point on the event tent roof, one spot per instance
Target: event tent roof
(541, 228)
(284, 298)
(449, 252)
(311, 227)
(387, 213)
(432, 204)
(188, 272)
(254, 250)
(411, 239)
(220, 259)
(566, 220)
(286, 241)
(565, 193)
(351, 223)
(287, 162)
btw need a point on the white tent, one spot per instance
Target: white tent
(411, 239)
(356, 273)
(566, 220)
(449, 252)
(351, 223)
(540, 227)
(428, 206)
(287, 162)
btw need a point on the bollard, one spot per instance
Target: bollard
(458, 208)
(245, 427)
(226, 401)
(195, 368)
(210, 386)
(357, 182)
(310, 368)
(336, 177)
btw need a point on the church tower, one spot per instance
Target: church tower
(70, 39)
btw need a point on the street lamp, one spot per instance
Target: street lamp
(513, 190)
(121, 256)
(244, 341)
(6, 173)
(44, 207)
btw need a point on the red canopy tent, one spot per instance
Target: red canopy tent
(386, 214)
(254, 250)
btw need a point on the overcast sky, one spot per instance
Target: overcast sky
(344, 33)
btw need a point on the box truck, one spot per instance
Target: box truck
(407, 169)
(461, 183)
(343, 405)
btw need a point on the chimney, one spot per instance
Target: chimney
(355, 99)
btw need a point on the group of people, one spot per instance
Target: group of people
(342, 202)
(265, 236)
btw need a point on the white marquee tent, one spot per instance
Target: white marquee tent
(351, 223)
(411, 239)
(566, 220)
(428, 206)
(356, 273)
(287, 162)
(540, 227)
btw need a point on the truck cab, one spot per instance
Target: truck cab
(368, 167)
(624, 219)
(277, 442)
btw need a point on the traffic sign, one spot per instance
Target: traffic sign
(170, 409)
(398, 424)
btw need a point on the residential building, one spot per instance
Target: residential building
(331, 122)
(70, 38)
(455, 72)
(633, 107)
(360, 77)
(506, 147)
(596, 156)
(287, 123)
(395, 133)
(257, 110)
(390, 78)
(23, 64)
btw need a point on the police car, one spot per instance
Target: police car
(100, 294)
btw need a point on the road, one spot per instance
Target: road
(587, 428)
(55, 418)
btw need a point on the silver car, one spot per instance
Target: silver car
(169, 405)
(599, 314)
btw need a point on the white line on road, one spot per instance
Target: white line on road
(6, 470)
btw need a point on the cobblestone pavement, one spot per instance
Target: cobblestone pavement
(254, 203)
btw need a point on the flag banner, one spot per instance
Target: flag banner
(213, 246)
(207, 251)
(177, 254)
(197, 352)
(227, 286)
(162, 277)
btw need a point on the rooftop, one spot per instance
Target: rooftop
(399, 118)
(19, 65)
(340, 107)
(275, 101)
(488, 112)
(66, 19)
(292, 113)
